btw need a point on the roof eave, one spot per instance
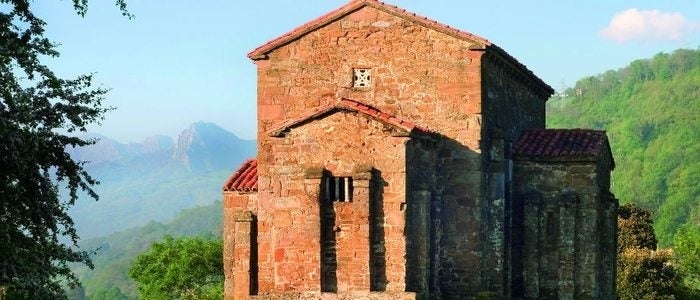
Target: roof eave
(240, 191)
(262, 51)
(556, 159)
(493, 48)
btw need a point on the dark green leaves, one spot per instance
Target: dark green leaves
(37, 108)
(187, 268)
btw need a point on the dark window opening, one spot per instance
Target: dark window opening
(338, 189)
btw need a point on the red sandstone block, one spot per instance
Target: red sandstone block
(272, 90)
(263, 226)
(286, 240)
(237, 201)
(362, 253)
(270, 112)
(469, 106)
(282, 218)
(279, 254)
(228, 202)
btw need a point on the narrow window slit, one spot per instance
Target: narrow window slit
(338, 189)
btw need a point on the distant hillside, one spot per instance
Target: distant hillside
(116, 252)
(651, 111)
(156, 178)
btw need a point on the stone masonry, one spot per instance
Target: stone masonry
(395, 161)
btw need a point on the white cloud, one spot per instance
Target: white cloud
(648, 25)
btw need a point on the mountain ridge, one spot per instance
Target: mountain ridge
(155, 178)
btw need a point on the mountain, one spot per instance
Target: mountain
(154, 144)
(651, 111)
(205, 146)
(108, 150)
(156, 178)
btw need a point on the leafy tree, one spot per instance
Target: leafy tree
(187, 268)
(687, 249)
(647, 274)
(642, 271)
(635, 229)
(113, 293)
(119, 250)
(38, 113)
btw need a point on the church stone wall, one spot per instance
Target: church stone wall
(442, 213)
(512, 101)
(240, 240)
(308, 243)
(563, 232)
(419, 74)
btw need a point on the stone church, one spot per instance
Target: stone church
(400, 158)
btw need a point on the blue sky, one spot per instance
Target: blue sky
(181, 61)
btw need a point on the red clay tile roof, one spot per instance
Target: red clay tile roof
(560, 143)
(245, 179)
(346, 105)
(354, 5)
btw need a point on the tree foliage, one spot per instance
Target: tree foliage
(647, 274)
(38, 112)
(119, 250)
(687, 249)
(113, 293)
(642, 271)
(651, 113)
(187, 268)
(635, 229)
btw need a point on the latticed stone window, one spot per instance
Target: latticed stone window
(362, 78)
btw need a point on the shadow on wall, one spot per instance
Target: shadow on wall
(442, 229)
(329, 259)
(377, 251)
(443, 215)
(377, 258)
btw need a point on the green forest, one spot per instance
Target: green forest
(650, 110)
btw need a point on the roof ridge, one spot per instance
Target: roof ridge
(261, 51)
(352, 6)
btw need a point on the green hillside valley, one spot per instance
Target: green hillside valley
(650, 110)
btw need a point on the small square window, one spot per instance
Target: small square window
(362, 78)
(338, 189)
